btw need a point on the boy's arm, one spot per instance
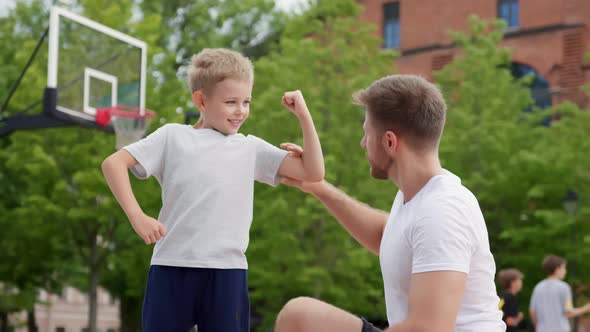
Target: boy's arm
(533, 316)
(310, 166)
(115, 172)
(575, 312)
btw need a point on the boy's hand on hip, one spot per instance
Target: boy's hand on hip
(294, 102)
(149, 229)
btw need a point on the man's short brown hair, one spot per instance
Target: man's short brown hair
(408, 105)
(507, 276)
(552, 263)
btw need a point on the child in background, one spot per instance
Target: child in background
(511, 282)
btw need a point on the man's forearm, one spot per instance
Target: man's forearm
(363, 223)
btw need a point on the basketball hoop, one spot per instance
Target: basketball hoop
(128, 121)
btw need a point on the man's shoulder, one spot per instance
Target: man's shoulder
(452, 199)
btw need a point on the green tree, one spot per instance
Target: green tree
(59, 199)
(28, 217)
(296, 247)
(518, 167)
(250, 26)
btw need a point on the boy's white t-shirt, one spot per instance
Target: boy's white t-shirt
(441, 229)
(207, 181)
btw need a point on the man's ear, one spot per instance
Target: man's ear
(390, 142)
(199, 100)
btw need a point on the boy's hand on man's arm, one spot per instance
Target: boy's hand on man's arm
(309, 187)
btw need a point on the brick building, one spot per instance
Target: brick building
(547, 37)
(68, 312)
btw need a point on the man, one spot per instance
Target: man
(551, 304)
(437, 267)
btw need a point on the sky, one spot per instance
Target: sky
(284, 5)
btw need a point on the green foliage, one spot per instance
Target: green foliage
(296, 247)
(60, 222)
(518, 168)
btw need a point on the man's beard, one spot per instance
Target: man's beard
(380, 171)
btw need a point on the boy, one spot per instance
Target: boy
(511, 282)
(551, 303)
(198, 272)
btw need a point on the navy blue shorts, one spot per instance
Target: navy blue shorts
(178, 298)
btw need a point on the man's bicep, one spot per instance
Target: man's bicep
(435, 299)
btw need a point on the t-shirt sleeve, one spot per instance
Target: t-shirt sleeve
(268, 161)
(441, 241)
(149, 153)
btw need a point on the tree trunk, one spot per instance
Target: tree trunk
(93, 273)
(32, 321)
(130, 314)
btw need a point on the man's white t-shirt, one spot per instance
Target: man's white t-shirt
(207, 181)
(441, 229)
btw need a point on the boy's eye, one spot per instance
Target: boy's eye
(247, 102)
(230, 102)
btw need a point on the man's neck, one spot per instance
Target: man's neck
(414, 172)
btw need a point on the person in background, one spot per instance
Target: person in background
(511, 282)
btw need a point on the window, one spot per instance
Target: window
(539, 85)
(391, 31)
(508, 11)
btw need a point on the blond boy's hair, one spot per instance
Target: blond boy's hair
(213, 65)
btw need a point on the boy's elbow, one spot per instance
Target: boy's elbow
(105, 164)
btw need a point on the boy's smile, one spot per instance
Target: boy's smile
(227, 106)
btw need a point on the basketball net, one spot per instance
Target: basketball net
(129, 124)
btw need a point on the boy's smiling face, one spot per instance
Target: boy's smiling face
(226, 107)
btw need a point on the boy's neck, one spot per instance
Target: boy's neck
(553, 277)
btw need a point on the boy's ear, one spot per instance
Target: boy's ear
(199, 100)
